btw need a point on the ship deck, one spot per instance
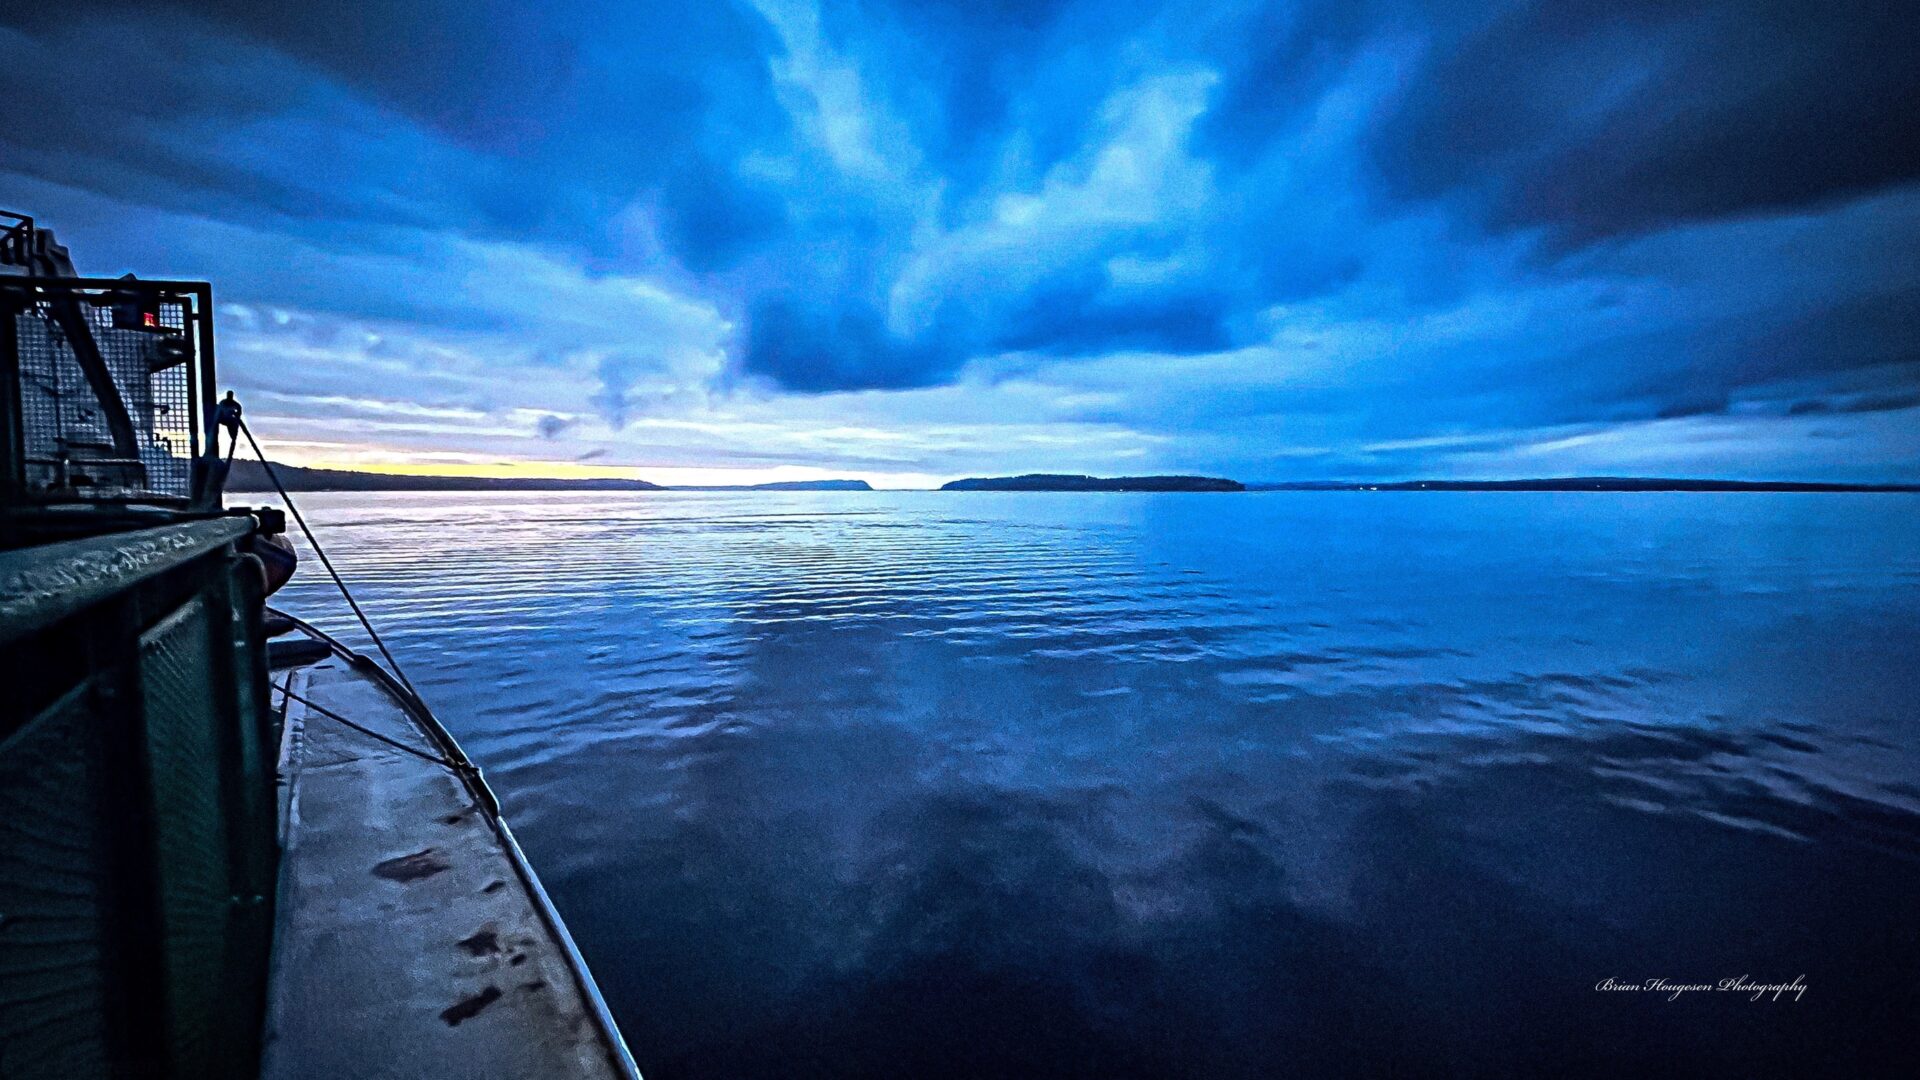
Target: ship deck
(411, 940)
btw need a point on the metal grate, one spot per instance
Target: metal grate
(54, 886)
(137, 808)
(197, 890)
(125, 426)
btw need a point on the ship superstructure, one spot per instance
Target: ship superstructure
(230, 846)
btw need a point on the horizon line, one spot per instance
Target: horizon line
(519, 472)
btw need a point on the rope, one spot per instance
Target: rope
(314, 541)
(369, 732)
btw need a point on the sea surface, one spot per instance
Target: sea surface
(1192, 785)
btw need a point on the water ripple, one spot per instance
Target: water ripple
(901, 784)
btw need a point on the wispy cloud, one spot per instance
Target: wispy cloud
(925, 240)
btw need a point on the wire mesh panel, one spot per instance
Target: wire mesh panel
(172, 422)
(53, 897)
(108, 387)
(196, 888)
(137, 810)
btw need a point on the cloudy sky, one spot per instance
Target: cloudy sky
(908, 242)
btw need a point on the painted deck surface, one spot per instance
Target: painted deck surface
(406, 944)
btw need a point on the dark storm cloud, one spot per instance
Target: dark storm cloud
(713, 218)
(1077, 318)
(817, 344)
(554, 122)
(1488, 215)
(485, 71)
(1589, 121)
(1704, 368)
(1873, 333)
(1595, 119)
(973, 74)
(1864, 404)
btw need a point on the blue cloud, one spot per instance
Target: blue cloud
(1179, 227)
(1597, 120)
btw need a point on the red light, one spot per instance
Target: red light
(150, 318)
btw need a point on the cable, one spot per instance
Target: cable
(326, 562)
(369, 732)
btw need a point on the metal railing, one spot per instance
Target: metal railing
(16, 239)
(106, 392)
(137, 809)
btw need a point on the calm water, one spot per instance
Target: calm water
(905, 784)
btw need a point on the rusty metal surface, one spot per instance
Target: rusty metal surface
(408, 945)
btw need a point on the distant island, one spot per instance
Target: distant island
(250, 476)
(782, 485)
(1575, 483)
(1061, 482)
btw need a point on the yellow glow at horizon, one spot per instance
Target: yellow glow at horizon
(670, 476)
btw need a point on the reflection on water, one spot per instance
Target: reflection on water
(906, 784)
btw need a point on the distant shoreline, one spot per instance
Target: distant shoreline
(248, 476)
(1583, 483)
(779, 485)
(1068, 482)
